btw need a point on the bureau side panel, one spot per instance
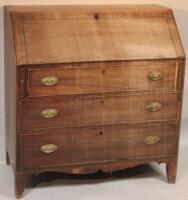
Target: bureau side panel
(181, 76)
(11, 89)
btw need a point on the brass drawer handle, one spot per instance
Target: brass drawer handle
(151, 140)
(155, 76)
(154, 106)
(49, 113)
(49, 80)
(48, 148)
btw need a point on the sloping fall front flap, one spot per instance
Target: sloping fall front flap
(81, 37)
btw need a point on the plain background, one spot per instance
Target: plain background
(151, 188)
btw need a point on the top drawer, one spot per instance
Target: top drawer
(100, 78)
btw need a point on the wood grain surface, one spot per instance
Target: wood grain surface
(104, 143)
(105, 112)
(74, 36)
(101, 78)
(98, 110)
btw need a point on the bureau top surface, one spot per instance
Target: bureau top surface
(60, 34)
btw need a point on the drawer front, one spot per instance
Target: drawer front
(94, 144)
(98, 110)
(95, 78)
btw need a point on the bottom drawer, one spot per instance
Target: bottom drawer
(94, 144)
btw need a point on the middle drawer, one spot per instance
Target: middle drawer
(97, 110)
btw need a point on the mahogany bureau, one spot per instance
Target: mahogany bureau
(91, 88)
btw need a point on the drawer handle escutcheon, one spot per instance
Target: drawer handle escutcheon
(49, 80)
(155, 76)
(154, 106)
(49, 113)
(48, 148)
(151, 140)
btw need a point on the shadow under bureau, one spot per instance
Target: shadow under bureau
(91, 88)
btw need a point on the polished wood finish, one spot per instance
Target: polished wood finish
(97, 144)
(91, 88)
(11, 95)
(43, 37)
(98, 110)
(101, 77)
(171, 169)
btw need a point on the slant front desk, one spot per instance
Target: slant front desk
(91, 88)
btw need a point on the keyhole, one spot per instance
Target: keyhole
(103, 71)
(100, 132)
(96, 16)
(102, 102)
